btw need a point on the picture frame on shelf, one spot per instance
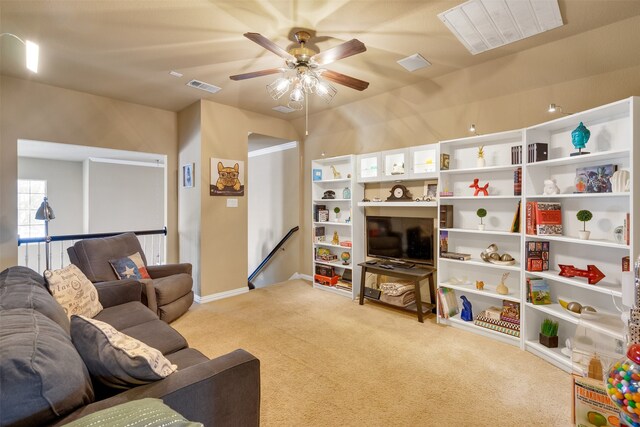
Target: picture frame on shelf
(317, 175)
(431, 190)
(595, 179)
(444, 161)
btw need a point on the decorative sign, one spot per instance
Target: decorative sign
(592, 272)
(227, 177)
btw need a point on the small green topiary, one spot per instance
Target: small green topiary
(336, 210)
(481, 214)
(584, 216)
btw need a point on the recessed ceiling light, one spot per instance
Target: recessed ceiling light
(283, 109)
(414, 62)
(482, 25)
(175, 73)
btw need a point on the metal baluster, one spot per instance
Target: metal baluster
(61, 254)
(39, 245)
(26, 255)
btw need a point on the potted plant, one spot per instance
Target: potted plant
(549, 333)
(337, 212)
(584, 216)
(481, 214)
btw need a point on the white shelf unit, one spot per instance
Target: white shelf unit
(466, 237)
(614, 133)
(348, 223)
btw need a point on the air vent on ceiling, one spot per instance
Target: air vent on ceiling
(283, 109)
(482, 25)
(414, 62)
(203, 86)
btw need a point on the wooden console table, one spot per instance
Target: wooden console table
(415, 274)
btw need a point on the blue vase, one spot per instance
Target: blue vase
(467, 313)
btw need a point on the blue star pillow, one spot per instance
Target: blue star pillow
(130, 267)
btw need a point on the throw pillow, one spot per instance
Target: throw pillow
(73, 291)
(130, 267)
(144, 412)
(117, 359)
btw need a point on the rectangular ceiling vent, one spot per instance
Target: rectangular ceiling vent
(414, 62)
(203, 86)
(283, 109)
(482, 25)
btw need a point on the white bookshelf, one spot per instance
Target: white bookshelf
(614, 134)
(348, 223)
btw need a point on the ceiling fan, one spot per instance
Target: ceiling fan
(307, 65)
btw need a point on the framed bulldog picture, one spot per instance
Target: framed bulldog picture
(227, 177)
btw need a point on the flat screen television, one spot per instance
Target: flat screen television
(400, 238)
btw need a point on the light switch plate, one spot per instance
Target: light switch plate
(232, 203)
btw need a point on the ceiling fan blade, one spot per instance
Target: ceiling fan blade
(350, 48)
(345, 80)
(269, 45)
(256, 74)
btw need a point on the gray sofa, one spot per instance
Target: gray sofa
(168, 292)
(45, 382)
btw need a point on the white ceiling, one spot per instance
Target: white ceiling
(126, 49)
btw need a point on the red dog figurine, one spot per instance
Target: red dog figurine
(479, 189)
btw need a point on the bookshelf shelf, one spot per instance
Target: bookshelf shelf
(604, 288)
(578, 196)
(480, 263)
(485, 169)
(479, 198)
(485, 232)
(606, 323)
(330, 167)
(514, 294)
(470, 326)
(599, 156)
(577, 241)
(553, 355)
(399, 204)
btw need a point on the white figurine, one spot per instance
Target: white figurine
(550, 187)
(620, 181)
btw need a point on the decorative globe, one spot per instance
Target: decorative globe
(345, 256)
(623, 385)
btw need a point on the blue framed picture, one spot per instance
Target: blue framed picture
(317, 174)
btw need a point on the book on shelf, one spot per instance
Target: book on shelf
(446, 216)
(590, 398)
(537, 255)
(626, 229)
(548, 218)
(530, 218)
(540, 292)
(516, 155)
(517, 182)
(493, 313)
(447, 303)
(537, 151)
(510, 312)
(345, 286)
(316, 211)
(323, 215)
(515, 224)
(325, 270)
(319, 234)
(444, 241)
(455, 255)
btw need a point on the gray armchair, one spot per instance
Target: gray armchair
(168, 293)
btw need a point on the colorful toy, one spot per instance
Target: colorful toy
(479, 189)
(623, 385)
(479, 285)
(336, 238)
(592, 272)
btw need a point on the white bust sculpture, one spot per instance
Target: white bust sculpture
(550, 187)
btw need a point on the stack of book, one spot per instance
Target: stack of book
(517, 182)
(505, 320)
(544, 218)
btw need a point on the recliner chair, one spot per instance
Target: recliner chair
(169, 291)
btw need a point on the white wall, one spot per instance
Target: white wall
(64, 190)
(124, 197)
(273, 205)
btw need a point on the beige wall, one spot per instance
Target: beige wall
(503, 94)
(35, 111)
(189, 204)
(224, 134)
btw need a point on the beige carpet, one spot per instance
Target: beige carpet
(326, 361)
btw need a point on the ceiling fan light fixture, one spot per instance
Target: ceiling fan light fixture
(278, 88)
(326, 91)
(309, 81)
(297, 94)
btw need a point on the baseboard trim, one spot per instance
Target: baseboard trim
(298, 276)
(220, 295)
